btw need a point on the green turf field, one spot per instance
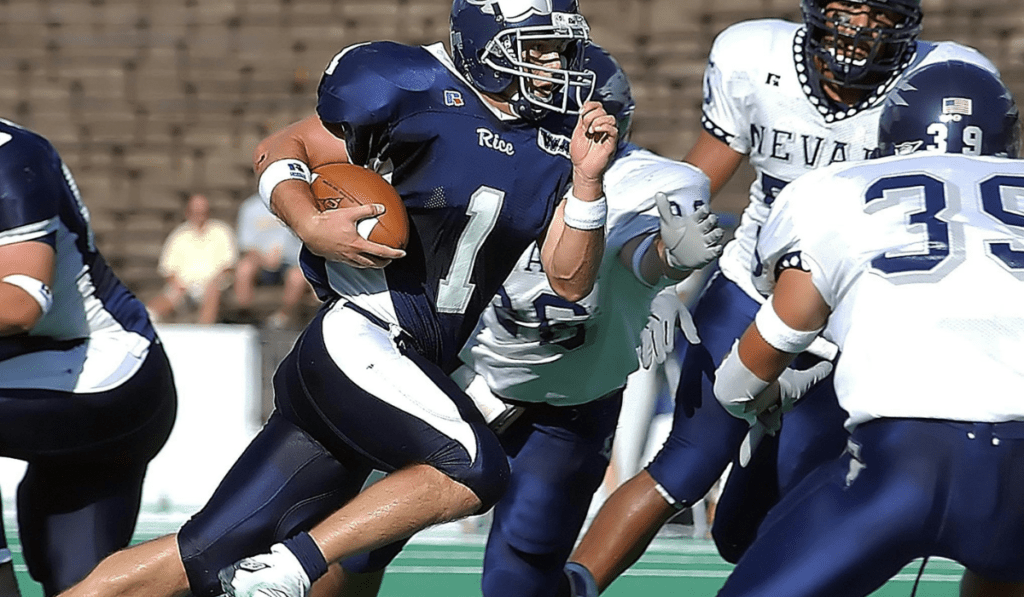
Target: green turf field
(445, 562)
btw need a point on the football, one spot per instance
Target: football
(347, 185)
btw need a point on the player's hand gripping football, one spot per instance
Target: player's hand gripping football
(332, 235)
(593, 144)
(691, 241)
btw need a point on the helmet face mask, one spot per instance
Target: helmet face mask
(859, 44)
(950, 107)
(491, 44)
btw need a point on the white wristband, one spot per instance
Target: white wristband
(36, 289)
(778, 334)
(736, 387)
(280, 171)
(585, 215)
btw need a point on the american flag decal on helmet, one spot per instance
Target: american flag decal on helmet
(957, 105)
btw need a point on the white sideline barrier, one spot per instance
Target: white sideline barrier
(218, 375)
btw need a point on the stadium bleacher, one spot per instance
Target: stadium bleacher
(151, 100)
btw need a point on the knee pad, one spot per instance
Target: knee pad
(487, 475)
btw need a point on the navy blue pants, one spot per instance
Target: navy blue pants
(705, 438)
(87, 456)
(558, 458)
(328, 432)
(904, 489)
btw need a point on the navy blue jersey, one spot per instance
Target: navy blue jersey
(478, 187)
(39, 201)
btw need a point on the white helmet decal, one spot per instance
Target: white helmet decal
(514, 10)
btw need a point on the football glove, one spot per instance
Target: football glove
(777, 400)
(274, 574)
(658, 337)
(692, 241)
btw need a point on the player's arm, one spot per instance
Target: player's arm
(282, 163)
(714, 158)
(645, 256)
(574, 243)
(748, 383)
(26, 272)
(683, 244)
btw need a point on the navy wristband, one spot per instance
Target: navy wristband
(308, 554)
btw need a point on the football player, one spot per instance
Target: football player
(913, 267)
(482, 146)
(87, 396)
(563, 364)
(789, 98)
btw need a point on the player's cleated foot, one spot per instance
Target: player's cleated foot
(581, 581)
(274, 574)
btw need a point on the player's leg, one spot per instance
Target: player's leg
(150, 569)
(559, 456)
(985, 528)
(339, 582)
(738, 514)
(906, 488)
(284, 482)
(813, 432)
(72, 514)
(79, 499)
(358, 576)
(365, 392)
(976, 585)
(849, 526)
(703, 440)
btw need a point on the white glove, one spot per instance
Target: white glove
(781, 398)
(274, 574)
(691, 242)
(658, 337)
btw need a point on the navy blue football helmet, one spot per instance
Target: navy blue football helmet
(860, 56)
(951, 107)
(489, 40)
(611, 88)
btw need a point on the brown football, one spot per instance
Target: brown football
(347, 185)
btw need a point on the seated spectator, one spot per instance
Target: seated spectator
(269, 257)
(196, 262)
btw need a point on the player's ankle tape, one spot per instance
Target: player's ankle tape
(308, 554)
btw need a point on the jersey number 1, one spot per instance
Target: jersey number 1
(455, 289)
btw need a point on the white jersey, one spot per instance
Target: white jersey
(533, 346)
(921, 258)
(757, 100)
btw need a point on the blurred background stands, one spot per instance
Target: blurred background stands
(151, 100)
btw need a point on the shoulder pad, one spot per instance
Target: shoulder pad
(31, 178)
(375, 77)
